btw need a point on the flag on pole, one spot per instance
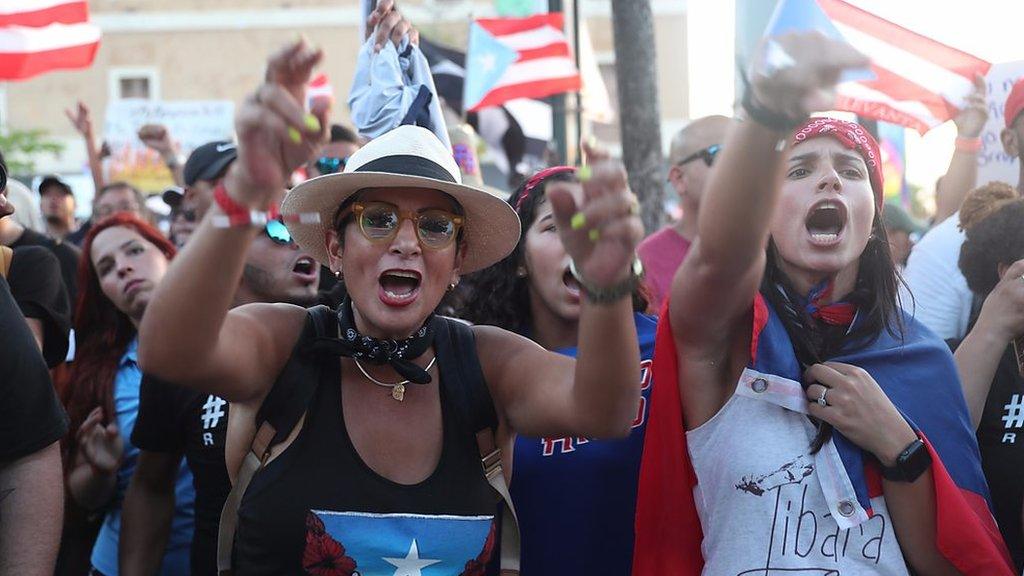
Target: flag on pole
(517, 131)
(37, 36)
(915, 81)
(518, 58)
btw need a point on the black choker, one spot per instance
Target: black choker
(399, 354)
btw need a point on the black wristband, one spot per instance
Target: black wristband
(763, 116)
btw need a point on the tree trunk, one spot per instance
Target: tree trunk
(636, 76)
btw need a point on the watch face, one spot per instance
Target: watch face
(913, 462)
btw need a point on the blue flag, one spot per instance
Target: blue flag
(805, 16)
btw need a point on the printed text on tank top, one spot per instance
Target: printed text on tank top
(772, 507)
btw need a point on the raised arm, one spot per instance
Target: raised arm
(962, 175)
(157, 138)
(544, 393)
(978, 356)
(81, 119)
(187, 335)
(713, 290)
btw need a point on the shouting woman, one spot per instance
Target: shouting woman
(381, 473)
(825, 430)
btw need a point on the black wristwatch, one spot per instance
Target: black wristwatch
(910, 464)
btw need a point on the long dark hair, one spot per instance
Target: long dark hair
(103, 332)
(876, 295)
(498, 295)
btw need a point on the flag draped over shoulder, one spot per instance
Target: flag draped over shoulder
(915, 81)
(38, 36)
(668, 531)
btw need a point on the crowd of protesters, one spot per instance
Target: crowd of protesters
(793, 377)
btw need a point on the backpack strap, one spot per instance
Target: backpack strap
(277, 417)
(6, 256)
(476, 409)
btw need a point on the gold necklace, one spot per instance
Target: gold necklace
(397, 388)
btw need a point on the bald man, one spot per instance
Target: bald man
(690, 159)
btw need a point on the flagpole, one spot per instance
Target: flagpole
(579, 93)
(558, 109)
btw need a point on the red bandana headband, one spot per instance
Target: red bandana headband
(537, 179)
(854, 137)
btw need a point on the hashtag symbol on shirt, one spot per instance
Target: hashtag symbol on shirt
(213, 411)
(1014, 412)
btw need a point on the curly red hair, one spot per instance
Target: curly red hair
(102, 332)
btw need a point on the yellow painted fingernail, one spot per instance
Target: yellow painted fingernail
(579, 220)
(583, 173)
(312, 123)
(294, 135)
(594, 234)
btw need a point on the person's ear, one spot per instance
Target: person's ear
(1011, 144)
(1002, 268)
(334, 250)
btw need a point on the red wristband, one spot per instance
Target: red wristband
(969, 145)
(236, 214)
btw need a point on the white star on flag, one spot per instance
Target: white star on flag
(412, 564)
(487, 62)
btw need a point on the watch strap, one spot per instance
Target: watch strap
(912, 462)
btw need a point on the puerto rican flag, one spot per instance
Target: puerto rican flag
(915, 81)
(918, 375)
(37, 36)
(512, 58)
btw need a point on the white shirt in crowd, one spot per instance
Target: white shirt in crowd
(941, 299)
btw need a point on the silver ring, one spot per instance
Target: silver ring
(821, 399)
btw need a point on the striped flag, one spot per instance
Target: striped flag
(917, 82)
(512, 58)
(38, 36)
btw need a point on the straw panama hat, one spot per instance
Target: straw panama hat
(406, 157)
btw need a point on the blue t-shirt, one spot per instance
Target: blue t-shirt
(576, 498)
(104, 552)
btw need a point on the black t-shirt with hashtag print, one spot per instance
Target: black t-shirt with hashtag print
(1001, 440)
(178, 420)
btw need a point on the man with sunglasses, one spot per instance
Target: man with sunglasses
(344, 142)
(174, 421)
(690, 158)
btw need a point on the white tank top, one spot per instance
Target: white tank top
(768, 507)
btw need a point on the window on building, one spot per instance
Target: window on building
(143, 83)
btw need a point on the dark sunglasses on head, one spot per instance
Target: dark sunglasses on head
(278, 232)
(706, 154)
(330, 164)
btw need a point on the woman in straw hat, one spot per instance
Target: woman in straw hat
(380, 473)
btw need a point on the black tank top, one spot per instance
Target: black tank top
(319, 509)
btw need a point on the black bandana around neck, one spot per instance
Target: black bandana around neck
(399, 354)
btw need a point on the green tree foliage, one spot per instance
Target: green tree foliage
(22, 147)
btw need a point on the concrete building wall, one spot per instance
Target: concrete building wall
(216, 49)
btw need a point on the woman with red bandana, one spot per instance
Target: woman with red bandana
(815, 428)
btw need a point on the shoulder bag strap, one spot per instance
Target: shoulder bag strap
(6, 255)
(280, 413)
(477, 408)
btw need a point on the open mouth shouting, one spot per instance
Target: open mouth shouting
(825, 222)
(305, 269)
(399, 287)
(571, 284)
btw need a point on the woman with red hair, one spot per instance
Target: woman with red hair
(125, 259)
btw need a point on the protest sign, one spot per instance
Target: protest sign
(190, 122)
(993, 163)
